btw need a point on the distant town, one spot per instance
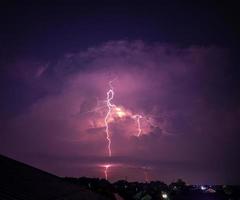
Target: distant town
(178, 190)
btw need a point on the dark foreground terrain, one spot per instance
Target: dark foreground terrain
(23, 182)
(19, 181)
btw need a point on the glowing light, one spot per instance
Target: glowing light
(203, 187)
(164, 195)
(106, 171)
(138, 117)
(119, 112)
(110, 95)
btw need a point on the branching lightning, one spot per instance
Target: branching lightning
(119, 112)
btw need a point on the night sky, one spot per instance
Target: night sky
(174, 64)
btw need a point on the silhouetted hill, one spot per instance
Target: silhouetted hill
(19, 181)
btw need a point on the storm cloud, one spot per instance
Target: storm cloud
(183, 91)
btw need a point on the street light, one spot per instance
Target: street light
(164, 195)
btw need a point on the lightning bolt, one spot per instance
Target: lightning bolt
(110, 95)
(113, 108)
(138, 117)
(106, 171)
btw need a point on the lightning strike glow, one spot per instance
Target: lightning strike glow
(138, 117)
(110, 95)
(106, 171)
(119, 112)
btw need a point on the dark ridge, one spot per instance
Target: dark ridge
(19, 181)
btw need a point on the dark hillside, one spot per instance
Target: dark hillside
(19, 181)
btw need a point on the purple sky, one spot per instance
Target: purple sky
(181, 90)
